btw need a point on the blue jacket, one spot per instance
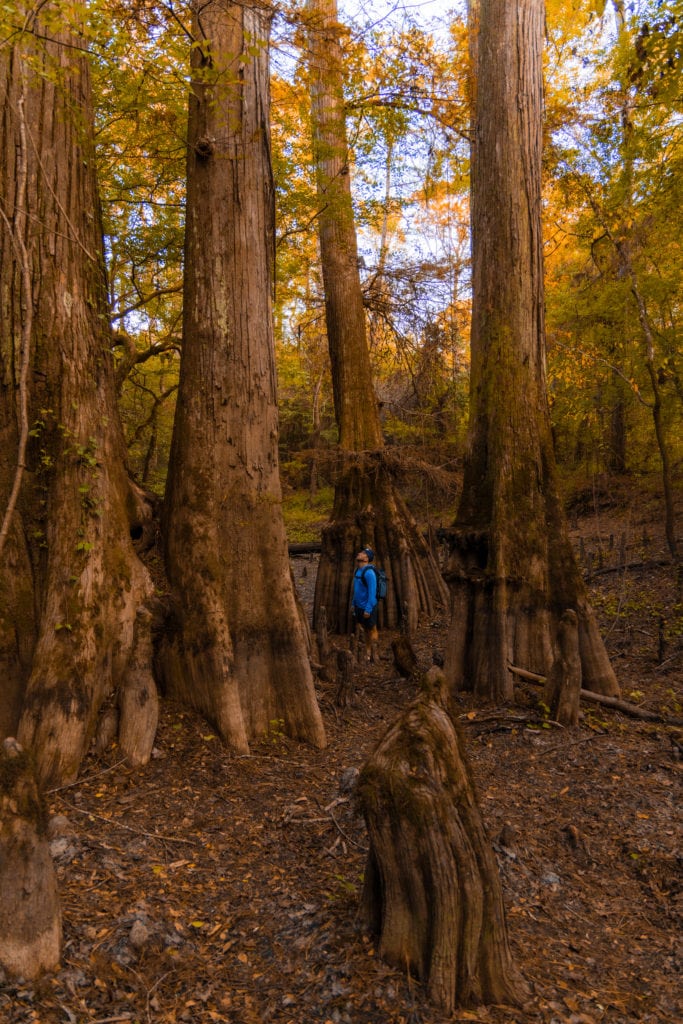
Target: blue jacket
(365, 588)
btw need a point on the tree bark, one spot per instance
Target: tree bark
(236, 648)
(512, 572)
(432, 890)
(70, 580)
(30, 918)
(367, 509)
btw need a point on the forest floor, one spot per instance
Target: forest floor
(211, 887)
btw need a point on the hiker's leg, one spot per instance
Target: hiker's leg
(374, 643)
(358, 632)
(367, 633)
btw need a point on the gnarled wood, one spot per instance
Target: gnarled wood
(432, 891)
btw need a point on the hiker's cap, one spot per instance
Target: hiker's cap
(370, 553)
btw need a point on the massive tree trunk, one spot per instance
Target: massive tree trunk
(237, 648)
(432, 891)
(367, 507)
(512, 572)
(70, 580)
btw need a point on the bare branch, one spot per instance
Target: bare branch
(27, 328)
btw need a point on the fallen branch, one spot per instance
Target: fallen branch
(27, 305)
(313, 547)
(598, 698)
(630, 567)
(86, 778)
(128, 828)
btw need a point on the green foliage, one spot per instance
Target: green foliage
(306, 514)
(614, 174)
(140, 82)
(615, 271)
(147, 405)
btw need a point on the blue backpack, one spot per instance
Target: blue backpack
(381, 580)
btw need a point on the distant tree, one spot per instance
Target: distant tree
(621, 272)
(367, 506)
(512, 572)
(74, 629)
(141, 112)
(236, 648)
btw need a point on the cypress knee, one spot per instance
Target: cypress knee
(563, 689)
(432, 890)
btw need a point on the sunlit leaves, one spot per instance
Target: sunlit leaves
(613, 200)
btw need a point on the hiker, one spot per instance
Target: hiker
(365, 601)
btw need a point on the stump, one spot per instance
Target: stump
(345, 687)
(405, 659)
(432, 892)
(563, 687)
(322, 636)
(30, 918)
(139, 700)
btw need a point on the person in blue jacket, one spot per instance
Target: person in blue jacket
(365, 601)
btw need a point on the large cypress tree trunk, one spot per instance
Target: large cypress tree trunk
(237, 648)
(367, 507)
(512, 572)
(70, 581)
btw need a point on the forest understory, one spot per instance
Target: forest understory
(211, 887)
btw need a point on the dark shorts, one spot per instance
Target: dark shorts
(359, 617)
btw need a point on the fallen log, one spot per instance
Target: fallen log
(629, 567)
(313, 547)
(598, 698)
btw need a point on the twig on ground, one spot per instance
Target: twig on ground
(86, 779)
(573, 743)
(342, 833)
(672, 657)
(128, 828)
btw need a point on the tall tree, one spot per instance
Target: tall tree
(367, 506)
(512, 571)
(237, 650)
(73, 625)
